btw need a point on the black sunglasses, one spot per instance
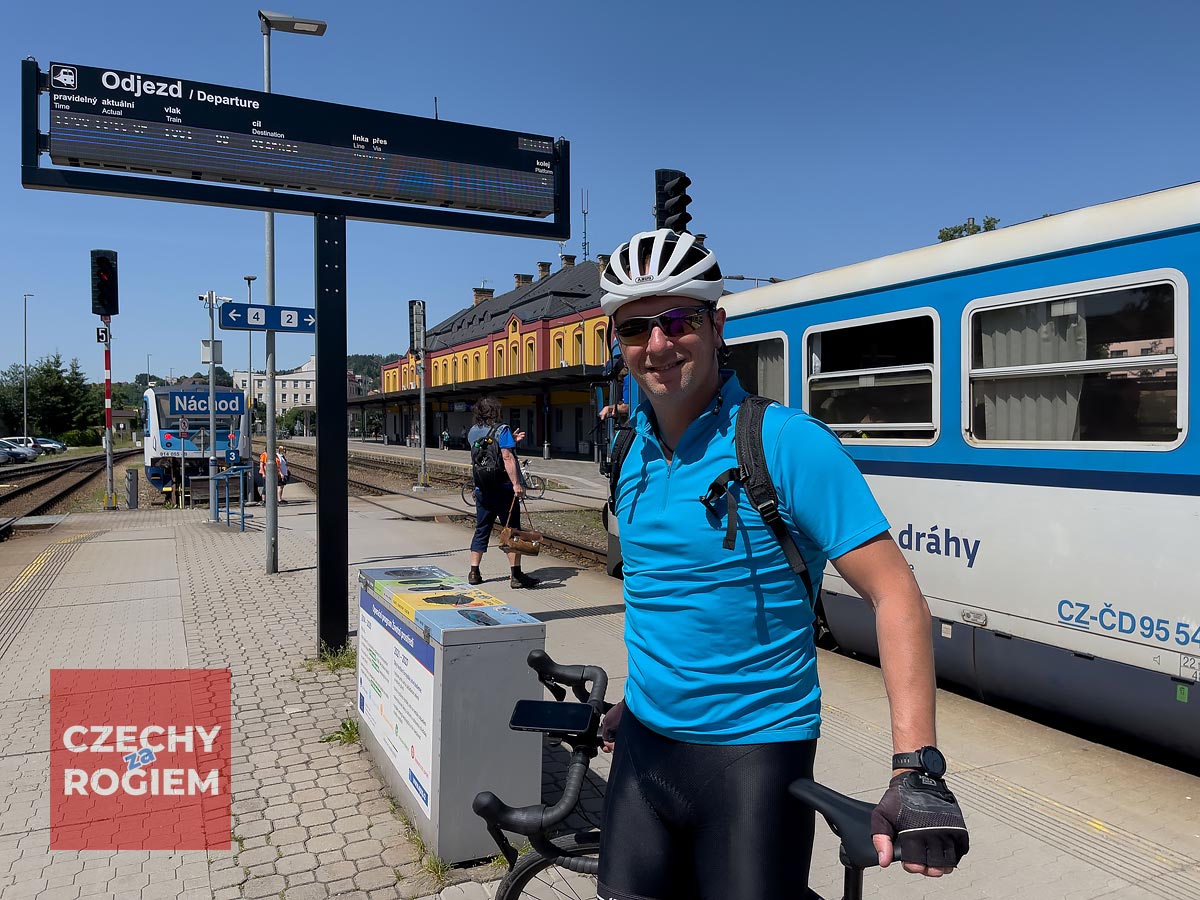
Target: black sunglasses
(674, 323)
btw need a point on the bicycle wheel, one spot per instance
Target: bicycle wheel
(535, 877)
(468, 493)
(535, 486)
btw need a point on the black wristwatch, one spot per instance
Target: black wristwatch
(928, 760)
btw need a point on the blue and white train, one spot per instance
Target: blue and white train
(170, 413)
(1019, 402)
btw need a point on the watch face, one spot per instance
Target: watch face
(932, 761)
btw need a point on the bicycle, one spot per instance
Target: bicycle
(535, 486)
(565, 865)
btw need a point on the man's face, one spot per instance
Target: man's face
(672, 367)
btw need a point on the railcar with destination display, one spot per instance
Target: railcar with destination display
(176, 432)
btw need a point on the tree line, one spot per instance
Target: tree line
(61, 400)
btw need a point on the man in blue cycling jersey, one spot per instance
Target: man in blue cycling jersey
(722, 704)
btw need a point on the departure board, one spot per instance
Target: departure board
(151, 125)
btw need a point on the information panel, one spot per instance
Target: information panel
(112, 119)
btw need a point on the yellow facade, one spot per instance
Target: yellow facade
(579, 343)
(507, 352)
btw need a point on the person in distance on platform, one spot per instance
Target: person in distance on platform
(282, 467)
(495, 502)
(722, 704)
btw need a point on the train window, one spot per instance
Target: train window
(1091, 367)
(875, 380)
(760, 367)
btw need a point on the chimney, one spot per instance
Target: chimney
(568, 261)
(602, 261)
(700, 239)
(481, 294)
(522, 280)
(543, 270)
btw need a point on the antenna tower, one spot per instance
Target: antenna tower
(583, 196)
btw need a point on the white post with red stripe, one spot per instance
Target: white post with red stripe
(110, 494)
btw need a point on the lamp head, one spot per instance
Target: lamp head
(273, 21)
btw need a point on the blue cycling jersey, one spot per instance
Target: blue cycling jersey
(720, 641)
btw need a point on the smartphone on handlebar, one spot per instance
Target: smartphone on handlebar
(551, 717)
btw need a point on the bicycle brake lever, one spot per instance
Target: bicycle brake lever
(554, 688)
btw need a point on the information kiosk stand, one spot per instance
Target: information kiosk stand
(440, 665)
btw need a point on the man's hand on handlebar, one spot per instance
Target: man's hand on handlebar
(609, 725)
(923, 815)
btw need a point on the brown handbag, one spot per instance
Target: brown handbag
(520, 540)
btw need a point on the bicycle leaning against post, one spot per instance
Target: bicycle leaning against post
(535, 485)
(564, 864)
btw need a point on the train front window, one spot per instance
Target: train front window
(1091, 367)
(875, 380)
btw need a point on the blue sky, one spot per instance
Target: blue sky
(815, 134)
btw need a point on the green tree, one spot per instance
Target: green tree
(221, 378)
(50, 410)
(78, 395)
(288, 421)
(967, 228)
(11, 381)
(368, 365)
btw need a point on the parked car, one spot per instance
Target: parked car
(49, 445)
(26, 443)
(5, 457)
(18, 453)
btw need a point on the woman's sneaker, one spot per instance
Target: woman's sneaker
(521, 580)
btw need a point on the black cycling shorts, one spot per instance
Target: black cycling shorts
(704, 821)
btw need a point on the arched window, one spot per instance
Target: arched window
(530, 360)
(558, 351)
(516, 357)
(454, 370)
(475, 376)
(578, 358)
(601, 349)
(500, 361)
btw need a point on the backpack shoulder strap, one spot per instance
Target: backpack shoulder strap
(760, 488)
(620, 449)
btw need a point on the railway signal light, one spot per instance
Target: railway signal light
(671, 200)
(105, 301)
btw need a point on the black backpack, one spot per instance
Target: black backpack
(486, 463)
(751, 472)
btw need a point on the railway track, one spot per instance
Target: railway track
(552, 542)
(43, 485)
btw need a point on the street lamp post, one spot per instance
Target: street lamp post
(753, 278)
(25, 387)
(250, 355)
(148, 371)
(268, 22)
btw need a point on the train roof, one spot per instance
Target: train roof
(1171, 208)
(191, 389)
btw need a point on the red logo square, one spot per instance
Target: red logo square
(139, 759)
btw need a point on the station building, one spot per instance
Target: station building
(536, 348)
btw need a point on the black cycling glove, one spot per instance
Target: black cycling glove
(923, 815)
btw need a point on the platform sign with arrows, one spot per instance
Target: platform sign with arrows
(247, 317)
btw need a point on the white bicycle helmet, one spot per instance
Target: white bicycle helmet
(660, 263)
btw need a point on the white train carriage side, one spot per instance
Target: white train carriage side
(1019, 402)
(177, 426)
